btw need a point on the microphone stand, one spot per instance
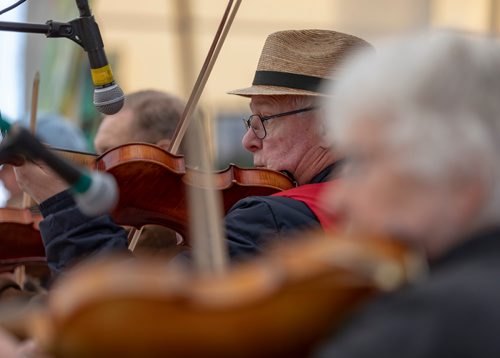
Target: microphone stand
(50, 29)
(73, 30)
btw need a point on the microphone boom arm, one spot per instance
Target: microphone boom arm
(71, 30)
(53, 29)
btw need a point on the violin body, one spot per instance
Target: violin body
(153, 185)
(278, 305)
(20, 242)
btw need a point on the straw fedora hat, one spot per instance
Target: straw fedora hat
(296, 62)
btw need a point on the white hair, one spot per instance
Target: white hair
(437, 98)
(293, 101)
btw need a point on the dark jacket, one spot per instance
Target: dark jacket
(455, 312)
(68, 235)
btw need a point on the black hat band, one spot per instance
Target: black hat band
(290, 80)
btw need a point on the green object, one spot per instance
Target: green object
(82, 184)
(4, 125)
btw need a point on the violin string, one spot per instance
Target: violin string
(27, 200)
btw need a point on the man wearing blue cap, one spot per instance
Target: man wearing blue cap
(53, 130)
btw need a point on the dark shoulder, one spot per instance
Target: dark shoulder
(255, 222)
(453, 312)
(284, 212)
(466, 288)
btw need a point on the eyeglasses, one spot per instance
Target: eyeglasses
(256, 121)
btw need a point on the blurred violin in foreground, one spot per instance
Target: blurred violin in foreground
(278, 305)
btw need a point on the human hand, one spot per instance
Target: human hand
(39, 181)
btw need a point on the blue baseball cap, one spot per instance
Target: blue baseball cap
(58, 132)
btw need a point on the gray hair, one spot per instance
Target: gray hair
(293, 101)
(157, 114)
(438, 98)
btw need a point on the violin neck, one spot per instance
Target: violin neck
(81, 158)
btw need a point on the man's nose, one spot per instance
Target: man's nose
(250, 141)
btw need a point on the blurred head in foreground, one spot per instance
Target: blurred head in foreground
(419, 122)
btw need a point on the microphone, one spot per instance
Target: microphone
(95, 192)
(108, 96)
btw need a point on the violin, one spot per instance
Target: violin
(20, 242)
(163, 200)
(278, 305)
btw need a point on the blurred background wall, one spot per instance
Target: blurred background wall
(161, 44)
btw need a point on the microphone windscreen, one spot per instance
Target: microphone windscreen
(101, 197)
(109, 100)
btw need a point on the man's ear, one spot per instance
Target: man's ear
(163, 143)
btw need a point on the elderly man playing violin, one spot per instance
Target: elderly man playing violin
(420, 124)
(285, 133)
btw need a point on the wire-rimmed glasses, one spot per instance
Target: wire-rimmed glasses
(256, 121)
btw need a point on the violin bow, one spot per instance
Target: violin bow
(206, 70)
(133, 237)
(194, 97)
(27, 201)
(209, 250)
(20, 270)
